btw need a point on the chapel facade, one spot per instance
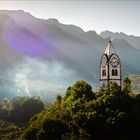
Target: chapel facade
(110, 67)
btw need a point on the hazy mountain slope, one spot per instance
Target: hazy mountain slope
(129, 56)
(132, 40)
(135, 79)
(49, 39)
(8, 55)
(22, 35)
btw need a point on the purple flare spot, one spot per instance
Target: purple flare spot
(25, 41)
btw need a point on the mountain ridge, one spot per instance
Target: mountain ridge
(131, 39)
(50, 31)
(67, 43)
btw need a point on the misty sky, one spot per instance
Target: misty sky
(98, 15)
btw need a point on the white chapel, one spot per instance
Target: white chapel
(110, 67)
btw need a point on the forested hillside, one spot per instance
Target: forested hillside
(80, 114)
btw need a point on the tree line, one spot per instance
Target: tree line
(81, 114)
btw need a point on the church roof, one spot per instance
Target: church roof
(109, 49)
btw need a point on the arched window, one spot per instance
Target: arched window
(116, 72)
(113, 72)
(103, 72)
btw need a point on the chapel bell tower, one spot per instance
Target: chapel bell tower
(110, 67)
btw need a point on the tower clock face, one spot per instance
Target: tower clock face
(104, 61)
(114, 61)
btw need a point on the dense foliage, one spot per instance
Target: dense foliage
(9, 131)
(20, 109)
(80, 114)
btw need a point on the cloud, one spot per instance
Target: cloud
(35, 77)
